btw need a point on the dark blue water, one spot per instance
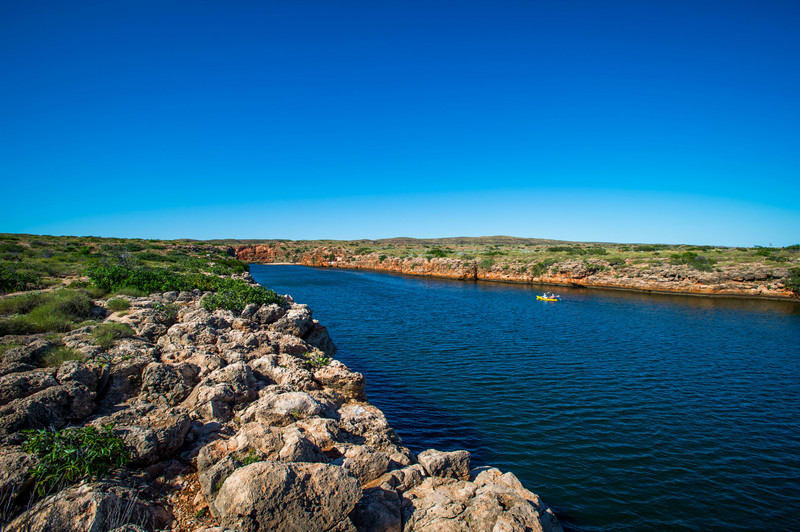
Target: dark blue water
(623, 411)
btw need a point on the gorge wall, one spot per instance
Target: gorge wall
(756, 281)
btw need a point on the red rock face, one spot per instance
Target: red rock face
(262, 253)
(664, 279)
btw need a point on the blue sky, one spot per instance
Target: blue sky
(622, 121)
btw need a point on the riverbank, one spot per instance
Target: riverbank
(216, 406)
(670, 272)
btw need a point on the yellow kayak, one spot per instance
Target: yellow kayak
(542, 298)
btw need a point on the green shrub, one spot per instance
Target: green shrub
(236, 294)
(540, 268)
(11, 248)
(55, 357)
(40, 312)
(117, 304)
(107, 333)
(792, 282)
(317, 359)
(437, 253)
(699, 262)
(486, 263)
(170, 310)
(14, 278)
(68, 455)
(251, 458)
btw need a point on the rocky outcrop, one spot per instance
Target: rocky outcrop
(656, 275)
(237, 420)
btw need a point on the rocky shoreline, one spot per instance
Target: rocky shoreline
(749, 281)
(235, 421)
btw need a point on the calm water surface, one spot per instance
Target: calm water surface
(623, 411)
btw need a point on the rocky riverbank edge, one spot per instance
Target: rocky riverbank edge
(743, 281)
(235, 421)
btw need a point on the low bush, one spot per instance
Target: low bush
(232, 294)
(236, 294)
(107, 333)
(68, 455)
(15, 279)
(55, 357)
(698, 262)
(540, 268)
(792, 282)
(117, 304)
(317, 359)
(57, 311)
(437, 253)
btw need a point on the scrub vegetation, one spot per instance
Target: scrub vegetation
(69, 455)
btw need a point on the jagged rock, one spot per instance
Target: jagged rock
(365, 463)
(449, 465)
(296, 322)
(215, 397)
(378, 510)
(151, 432)
(323, 432)
(53, 407)
(15, 479)
(77, 371)
(240, 378)
(287, 344)
(18, 385)
(91, 507)
(403, 479)
(29, 354)
(129, 359)
(318, 337)
(268, 314)
(278, 407)
(289, 497)
(368, 426)
(297, 448)
(492, 502)
(287, 372)
(166, 383)
(339, 378)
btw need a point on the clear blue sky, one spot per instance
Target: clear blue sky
(625, 121)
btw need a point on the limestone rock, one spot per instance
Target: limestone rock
(339, 378)
(77, 371)
(318, 337)
(152, 432)
(166, 383)
(365, 463)
(289, 497)
(91, 507)
(268, 314)
(492, 502)
(18, 385)
(378, 510)
(449, 465)
(15, 478)
(29, 354)
(277, 407)
(296, 322)
(53, 407)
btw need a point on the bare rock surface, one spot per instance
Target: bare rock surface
(234, 421)
(291, 497)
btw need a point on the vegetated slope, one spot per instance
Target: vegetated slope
(703, 270)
